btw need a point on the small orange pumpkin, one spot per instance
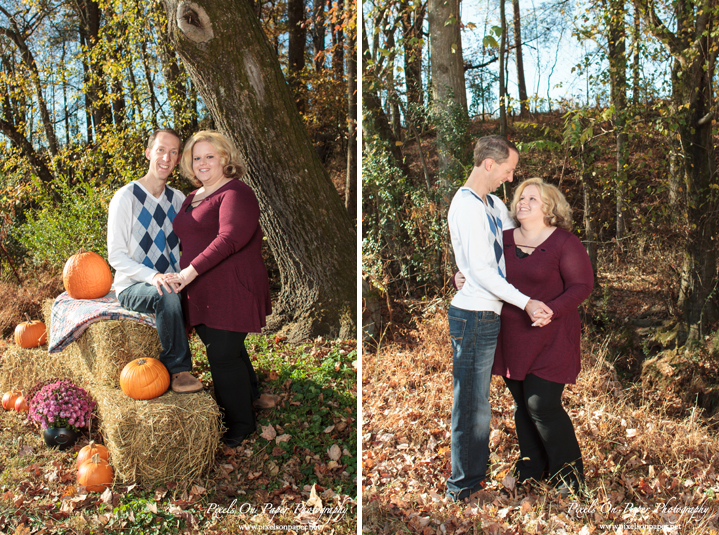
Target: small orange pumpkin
(144, 378)
(8, 400)
(91, 449)
(31, 333)
(95, 474)
(86, 276)
(21, 405)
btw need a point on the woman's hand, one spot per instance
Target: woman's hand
(186, 276)
(168, 281)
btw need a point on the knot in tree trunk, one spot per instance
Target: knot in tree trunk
(194, 22)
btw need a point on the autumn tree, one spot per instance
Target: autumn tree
(240, 80)
(693, 47)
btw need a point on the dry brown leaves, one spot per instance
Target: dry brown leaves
(643, 467)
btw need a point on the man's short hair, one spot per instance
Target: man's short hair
(151, 139)
(493, 147)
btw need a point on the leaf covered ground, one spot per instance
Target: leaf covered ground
(650, 459)
(303, 454)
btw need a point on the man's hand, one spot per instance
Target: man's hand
(459, 280)
(539, 313)
(166, 281)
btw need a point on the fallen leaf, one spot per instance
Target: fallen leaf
(268, 432)
(335, 452)
(329, 429)
(283, 438)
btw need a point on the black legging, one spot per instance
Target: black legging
(228, 356)
(547, 443)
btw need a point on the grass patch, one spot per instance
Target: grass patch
(309, 441)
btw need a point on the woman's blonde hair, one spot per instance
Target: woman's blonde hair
(557, 212)
(232, 164)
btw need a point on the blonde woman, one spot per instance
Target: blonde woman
(544, 260)
(224, 280)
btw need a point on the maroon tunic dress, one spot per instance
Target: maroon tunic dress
(560, 274)
(221, 237)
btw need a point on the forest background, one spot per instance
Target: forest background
(82, 85)
(634, 153)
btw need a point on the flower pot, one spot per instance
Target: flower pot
(59, 437)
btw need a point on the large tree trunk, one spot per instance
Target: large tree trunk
(521, 84)
(236, 72)
(695, 50)
(447, 66)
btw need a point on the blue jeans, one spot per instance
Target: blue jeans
(169, 319)
(474, 339)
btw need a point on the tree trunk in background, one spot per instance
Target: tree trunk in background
(591, 244)
(616, 39)
(693, 110)
(502, 79)
(392, 98)
(296, 49)
(338, 57)
(90, 17)
(636, 37)
(351, 59)
(318, 33)
(412, 22)
(239, 77)
(447, 67)
(521, 84)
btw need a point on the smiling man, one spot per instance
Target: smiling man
(476, 220)
(144, 250)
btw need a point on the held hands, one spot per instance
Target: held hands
(166, 281)
(174, 282)
(539, 313)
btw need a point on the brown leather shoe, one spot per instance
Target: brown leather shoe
(185, 383)
(265, 401)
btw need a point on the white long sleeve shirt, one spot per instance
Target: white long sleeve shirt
(476, 231)
(140, 239)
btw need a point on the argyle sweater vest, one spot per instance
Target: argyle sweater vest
(153, 242)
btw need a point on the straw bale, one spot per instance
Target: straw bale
(169, 438)
(107, 346)
(21, 369)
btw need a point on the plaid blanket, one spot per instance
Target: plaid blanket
(70, 317)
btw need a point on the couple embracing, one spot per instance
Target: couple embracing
(522, 276)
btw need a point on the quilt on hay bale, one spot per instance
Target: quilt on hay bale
(107, 344)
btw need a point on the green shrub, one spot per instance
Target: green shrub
(53, 233)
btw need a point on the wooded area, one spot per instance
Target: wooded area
(633, 148)
(83, 84)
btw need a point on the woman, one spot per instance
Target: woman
(549, 263)
(224, 280)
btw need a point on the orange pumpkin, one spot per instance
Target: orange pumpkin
(144, 378)
(91, 449)
(21, 405)
(32, 333)
(8, 400)
(86, 276)
(95, 474)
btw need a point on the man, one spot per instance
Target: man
(144, 250)
(476, 220)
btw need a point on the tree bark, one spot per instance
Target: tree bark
(521, 83)
(318, 33)
(296, 49)
(694, 48)
(616, 40)
(90, 19)
(502, 79)
(338, 52)
(412, 22)
(636, 37)
(236, 72)
(447, 66)
(351, 60)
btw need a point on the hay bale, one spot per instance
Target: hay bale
(170, 438)
(21, 369)
(107, 346)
